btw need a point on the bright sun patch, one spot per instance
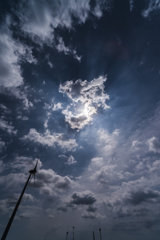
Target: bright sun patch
(86, 98)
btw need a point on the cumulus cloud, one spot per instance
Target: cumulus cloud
(83, 198)
(12, 199)
(86, 98)
(142, 196)
(12, 180)
(5, 126)
(97, 161)
(107, 142)
(154, 145)
(107, 175)
(48, 181)
(70, 160)
(50, 140)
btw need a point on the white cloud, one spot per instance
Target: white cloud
(70, 160)
(9, 67)
(136, 145)
(53, 106)
(107, 142)
(153, 6)
(57, 107)
(13, 180)
(48, 139)
(107, 175)
(154, 145)
(86, 98)
(50, 183)
(40, 18)
(62, 48)
(97, 161)
(5, 126)
(12, 52)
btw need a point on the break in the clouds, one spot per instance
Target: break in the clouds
(86, 98)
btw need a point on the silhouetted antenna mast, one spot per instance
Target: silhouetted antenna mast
(73, 232)
(100, 234)
(32, 172)
(93, 236)
(67, 235)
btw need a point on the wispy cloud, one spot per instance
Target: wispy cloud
(8, 127)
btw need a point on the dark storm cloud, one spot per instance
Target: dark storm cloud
(142, 196)
(83, 198)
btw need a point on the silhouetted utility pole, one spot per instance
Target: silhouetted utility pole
(32, 172)
(93, 236)
(73, 232)
(100, 234)
(67, 235)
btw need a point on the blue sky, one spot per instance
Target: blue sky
(79, 91)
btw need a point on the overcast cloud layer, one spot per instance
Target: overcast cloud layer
(79, 93)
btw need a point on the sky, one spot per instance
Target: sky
(79, 92)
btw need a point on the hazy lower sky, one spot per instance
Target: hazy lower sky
(80, 91)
